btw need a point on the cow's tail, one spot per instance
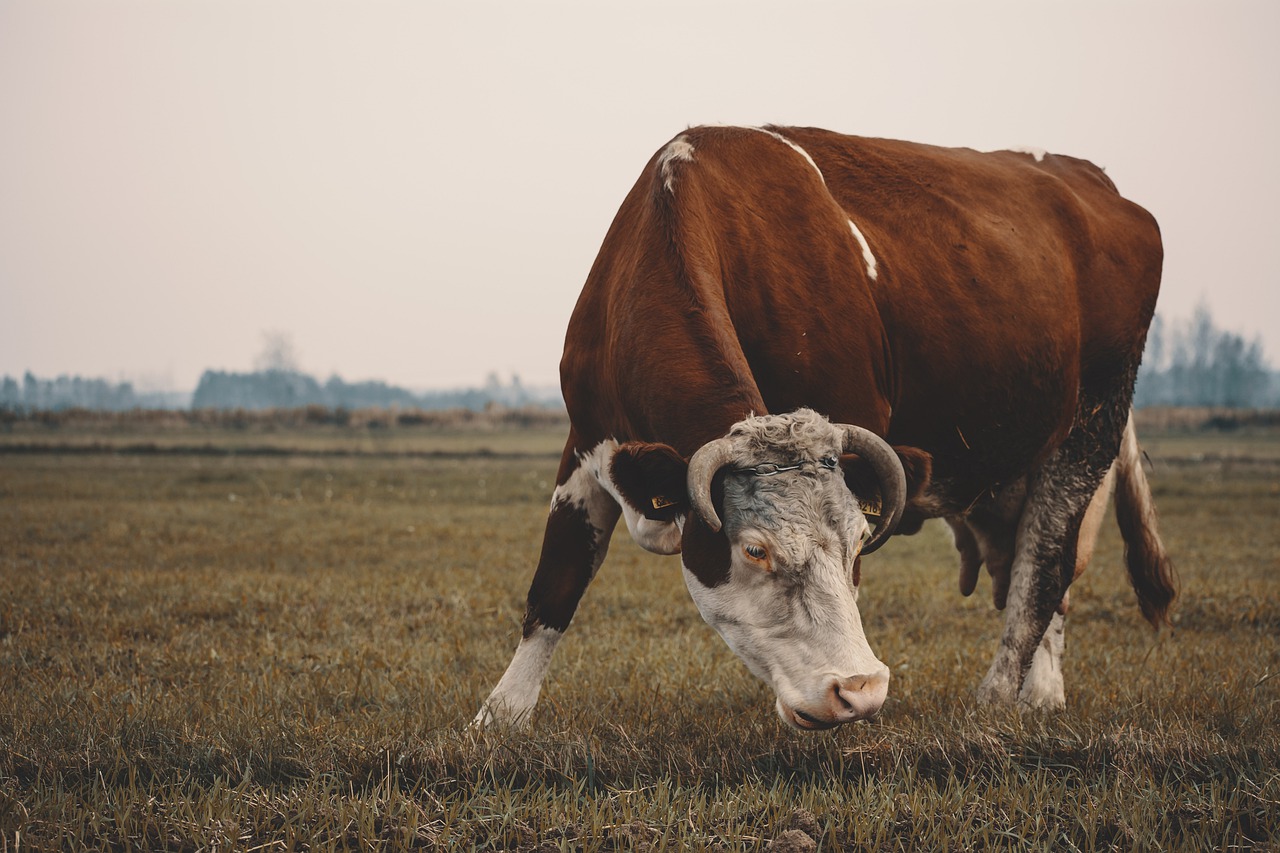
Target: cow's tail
(1150, 569)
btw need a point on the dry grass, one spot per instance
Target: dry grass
(282, 652)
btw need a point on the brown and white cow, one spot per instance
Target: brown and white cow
(789, 334)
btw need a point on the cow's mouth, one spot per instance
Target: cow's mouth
(805, 722)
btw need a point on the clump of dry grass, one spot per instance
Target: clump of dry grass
(283, 652)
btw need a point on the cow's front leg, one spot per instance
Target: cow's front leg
(579, 525)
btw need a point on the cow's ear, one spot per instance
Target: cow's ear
(917, 464)
(652, 478)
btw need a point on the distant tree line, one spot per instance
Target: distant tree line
(1193, 364)
(1197, 364)
(262, 389)
(275, 388)
(75, 392)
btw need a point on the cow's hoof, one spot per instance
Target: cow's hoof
(1042, 689)
(1042, 694)
(493, 716)
(1041, 703)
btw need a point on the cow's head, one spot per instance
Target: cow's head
(771, 544)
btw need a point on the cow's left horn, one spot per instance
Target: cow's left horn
(888, 470)
(708, 460)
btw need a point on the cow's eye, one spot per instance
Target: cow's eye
(756, 552)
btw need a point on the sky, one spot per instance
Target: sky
(415, 191)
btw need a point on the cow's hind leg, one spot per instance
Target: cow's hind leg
(1043, 687)
(579, 526)
(1047, 543)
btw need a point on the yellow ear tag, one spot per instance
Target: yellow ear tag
(660, 502)
(874, 509)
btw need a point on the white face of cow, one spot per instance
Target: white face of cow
(788, 607)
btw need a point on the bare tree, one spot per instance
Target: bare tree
(1202, 365)
(278, 353)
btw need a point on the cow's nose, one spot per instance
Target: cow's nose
(857, 697)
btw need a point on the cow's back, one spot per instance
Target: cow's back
(985, 289)
(1005, 280)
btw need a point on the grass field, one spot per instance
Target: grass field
(273, 651)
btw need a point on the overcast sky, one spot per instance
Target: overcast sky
(415, 191)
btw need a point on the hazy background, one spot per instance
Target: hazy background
(415, 192)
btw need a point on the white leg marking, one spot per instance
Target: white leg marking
(679, 149)
(1043, 686)
(517, 691)
(585, 489)
(867, 258)
(513, 699)
(1092, 524)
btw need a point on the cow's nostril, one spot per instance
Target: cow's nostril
(843, 690)
(858, 697)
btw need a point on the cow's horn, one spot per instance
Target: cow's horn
(708, 460)
(888, 470)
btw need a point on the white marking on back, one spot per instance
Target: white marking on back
(677, 149)
(867, 257)
(794, 147)
(1037, 153)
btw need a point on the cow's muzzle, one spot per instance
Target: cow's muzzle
(843, 700)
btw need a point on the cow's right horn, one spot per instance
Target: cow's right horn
(704, 465)
(888, 470)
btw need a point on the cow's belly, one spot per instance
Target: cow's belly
(984, 433)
